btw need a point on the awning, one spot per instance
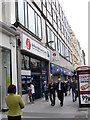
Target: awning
(55, 69)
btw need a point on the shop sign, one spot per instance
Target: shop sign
(32, 46)
(54, 56)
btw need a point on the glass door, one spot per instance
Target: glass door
(5, 74)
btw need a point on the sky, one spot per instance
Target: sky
(76, 12)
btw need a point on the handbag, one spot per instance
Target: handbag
(30, 94)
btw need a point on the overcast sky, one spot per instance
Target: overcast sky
(76, 12)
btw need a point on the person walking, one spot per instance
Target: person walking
(45, 90)
(69, 86)
(52, 88)
(14, 103)
(74, 89)
(60, 91)
(32, 93)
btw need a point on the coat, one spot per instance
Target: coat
(14, 103)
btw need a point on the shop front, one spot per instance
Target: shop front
(8, 71)
(34, 66)
(59, 71)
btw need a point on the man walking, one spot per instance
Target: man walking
(60, 91)
(52, 92)
(74, 89)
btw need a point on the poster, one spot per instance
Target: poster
(85, 98)
(84, 82)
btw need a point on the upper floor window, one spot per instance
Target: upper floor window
(49, 7)
(29, 18)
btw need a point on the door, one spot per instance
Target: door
(37, 87)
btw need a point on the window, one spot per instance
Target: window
(35, 65)
(49, 7)
(53, 44)
(63, 49)
(59, 46)
(56, 43)
(66, 53)
(26, 15)
(44, 2)
(70, 57)
(25, 62)
(38, 25)
(21, 11)
(31, 19)
(5, 72)
(52, 37)
(54, 16)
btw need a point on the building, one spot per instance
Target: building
(8, 66)
(83, 57)
(44, 46)
(75, 56)
(79, 53)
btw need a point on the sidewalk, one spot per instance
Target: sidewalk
(43, 109)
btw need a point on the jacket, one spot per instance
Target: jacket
(62, 86)
(14, 103)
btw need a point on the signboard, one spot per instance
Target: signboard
(35, 48)
(83, 74)
(84, 82)
(54, 56)
(85, 98)
(26, 79)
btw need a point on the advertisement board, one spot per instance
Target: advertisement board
(31, 46)
(83, 75)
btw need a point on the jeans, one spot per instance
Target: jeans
(74, 97)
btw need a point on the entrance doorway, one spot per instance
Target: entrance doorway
(37, 87)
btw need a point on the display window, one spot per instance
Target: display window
(35, 65)
(5, 72)
(25, 62)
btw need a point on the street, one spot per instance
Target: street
(42, 109)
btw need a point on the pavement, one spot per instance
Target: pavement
(42, 109)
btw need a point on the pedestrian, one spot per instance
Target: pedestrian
(65, 88)
(45, 90)
(60, 91)
(32, 93)
(52, 87)
(14, 103)
(69, 86)
(74, 89)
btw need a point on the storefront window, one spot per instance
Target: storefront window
(25, 62)
(5, 72)
(35, 65)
